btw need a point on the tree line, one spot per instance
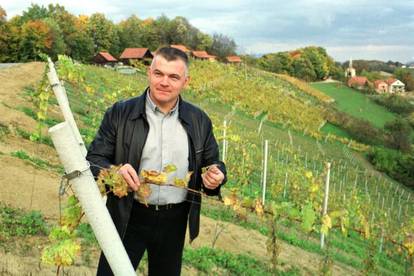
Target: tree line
(53, 30)
(310, 63)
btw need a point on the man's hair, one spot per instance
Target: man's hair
(171, 54)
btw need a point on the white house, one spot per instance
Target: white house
(395, 86)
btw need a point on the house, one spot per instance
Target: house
(233, 59)
(395, 86)
(104, 58)
(381, 86)
(358, 82)
(138, 54)
(181, 47)
(202, 55)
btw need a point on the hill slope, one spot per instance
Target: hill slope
(24, 185)
(291, 153)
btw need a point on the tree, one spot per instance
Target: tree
(318, 57)
(179, 30)
(279, 63)
(4, 32)
(58, 43)
(3, 16)
(36, 38)
(336, 71)
(33, 13)
(399, 132)
(303, 69)
(102, 31)
(406, 76)
(131, 32)
(162, 28)
(222, 46)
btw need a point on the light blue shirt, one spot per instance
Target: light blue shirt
(167, 143)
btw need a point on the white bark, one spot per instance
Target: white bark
(87, 192)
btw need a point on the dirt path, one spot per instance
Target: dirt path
(25, 186)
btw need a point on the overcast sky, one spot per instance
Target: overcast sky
(365, 29)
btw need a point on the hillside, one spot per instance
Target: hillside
(356, 104)
(293, 154)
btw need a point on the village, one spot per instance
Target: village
(388, 85)
(132, 55)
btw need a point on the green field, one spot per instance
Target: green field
(356, 104)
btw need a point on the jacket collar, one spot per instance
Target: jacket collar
(139, 108)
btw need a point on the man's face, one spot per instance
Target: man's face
(166, 80)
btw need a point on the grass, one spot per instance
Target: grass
(333, 129)
(207, 260)
(356, 104)
(35, 161)
(34, 137)
(31, 113)
(16, 222)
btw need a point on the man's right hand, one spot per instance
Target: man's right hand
(130, 175)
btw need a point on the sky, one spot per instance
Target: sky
(364, 29)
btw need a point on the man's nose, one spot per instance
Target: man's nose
(164, 81)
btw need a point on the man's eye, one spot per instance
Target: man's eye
(158, 74)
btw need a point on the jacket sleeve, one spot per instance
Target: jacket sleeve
(211, 156)
(101, 152)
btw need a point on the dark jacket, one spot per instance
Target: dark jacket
(121, 139)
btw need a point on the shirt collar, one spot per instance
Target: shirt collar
(155, 108)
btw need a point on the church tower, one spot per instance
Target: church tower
(350, 71)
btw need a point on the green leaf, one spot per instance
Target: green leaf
(308, 217)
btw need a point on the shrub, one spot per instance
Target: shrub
(397, 165)
(16, 222)
(394, 103)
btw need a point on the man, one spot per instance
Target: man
(149, 132)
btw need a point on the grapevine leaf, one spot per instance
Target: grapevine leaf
(308, 217)
(326, 224)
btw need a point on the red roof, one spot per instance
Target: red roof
(377, 83)
(390, 81)
(233, 59)
(134, 53)
(181, 47)
(295, 54)
(201, 54)
(357, 80)
(107, 56)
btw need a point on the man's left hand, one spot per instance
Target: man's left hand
(213, 177)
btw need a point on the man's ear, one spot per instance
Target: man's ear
(187, 81)
(148, 71)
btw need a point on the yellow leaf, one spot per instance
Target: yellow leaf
(326, 224)
(259, 208)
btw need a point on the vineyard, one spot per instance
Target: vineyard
(268, 129)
